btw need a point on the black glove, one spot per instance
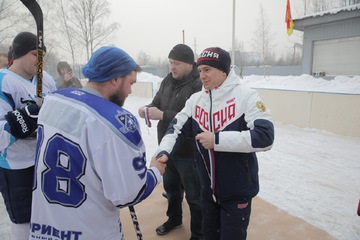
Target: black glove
(23, 121)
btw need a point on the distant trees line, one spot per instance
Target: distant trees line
(74, 29)
(263, 43)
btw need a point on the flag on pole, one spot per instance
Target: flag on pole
(288, 19)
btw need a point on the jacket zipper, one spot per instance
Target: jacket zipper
(211, 154)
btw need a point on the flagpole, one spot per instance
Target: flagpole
(233, 37)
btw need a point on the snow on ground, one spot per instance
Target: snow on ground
(340, 84)
(312, 174)
(305, 82)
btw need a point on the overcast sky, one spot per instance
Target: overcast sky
(155, 26)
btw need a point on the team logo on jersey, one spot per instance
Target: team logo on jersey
(261, 106)
(127, 121)
(77, 92)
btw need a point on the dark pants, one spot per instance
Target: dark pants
(181, 175)
(225, 220)
(16, 189)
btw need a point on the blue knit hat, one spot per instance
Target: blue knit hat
(107, 63)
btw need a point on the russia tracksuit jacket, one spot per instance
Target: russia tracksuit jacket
(242, 126)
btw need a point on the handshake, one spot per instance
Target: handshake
(23, 121)
(159, 162)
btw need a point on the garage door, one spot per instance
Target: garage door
(337, 56)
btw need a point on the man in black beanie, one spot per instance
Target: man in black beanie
(23, 43)
(180, 174)
(18, 121)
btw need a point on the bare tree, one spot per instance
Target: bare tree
(89, 21)
(349, 2)
(262, 40)
(65, 29)
(321, 5)
(163, 65)
(143, 58)
(314, 6)
(10, 18)
(240, 59)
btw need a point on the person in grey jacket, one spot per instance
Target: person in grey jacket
(181, 173)
(66, 78)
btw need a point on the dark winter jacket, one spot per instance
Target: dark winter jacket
(170, 99)
(60, 81)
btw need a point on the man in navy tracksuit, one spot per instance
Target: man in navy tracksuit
(229, 123)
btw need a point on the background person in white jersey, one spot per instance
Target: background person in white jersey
(90, 155)
(18, 121)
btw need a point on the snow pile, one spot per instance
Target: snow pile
(148, 77)
(332, 11)
(305, 82)
(340, 84)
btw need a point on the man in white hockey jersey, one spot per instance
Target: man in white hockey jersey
(90, 155)
(18, 121)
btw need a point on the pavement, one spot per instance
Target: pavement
(267, 222)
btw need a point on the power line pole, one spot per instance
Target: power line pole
(183, 35)
(233, 37)
(195, 45)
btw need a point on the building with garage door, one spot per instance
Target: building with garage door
(331, 44)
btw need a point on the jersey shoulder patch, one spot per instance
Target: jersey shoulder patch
(117, 118)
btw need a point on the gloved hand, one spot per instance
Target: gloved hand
(23, 121)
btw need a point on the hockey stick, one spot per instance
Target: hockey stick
(36, 11)
(135, 222)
